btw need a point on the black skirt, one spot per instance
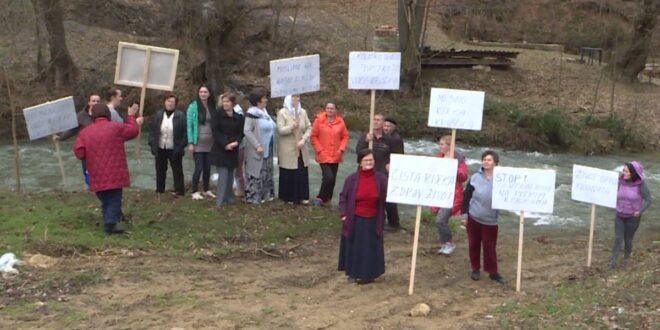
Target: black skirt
(294, 184)
(362, 255)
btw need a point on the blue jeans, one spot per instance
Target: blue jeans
(110, 205)
(203, 169)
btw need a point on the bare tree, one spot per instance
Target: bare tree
(633, 59)
(411, 16)
(61, 71)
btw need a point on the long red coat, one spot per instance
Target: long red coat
(329, 139)
(461, 177)
(101, 146)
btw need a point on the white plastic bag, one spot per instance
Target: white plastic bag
(7, 262)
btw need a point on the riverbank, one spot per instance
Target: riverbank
(186, 264)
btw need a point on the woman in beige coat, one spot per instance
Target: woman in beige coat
(294, 129)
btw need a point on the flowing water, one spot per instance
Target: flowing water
(40, 172)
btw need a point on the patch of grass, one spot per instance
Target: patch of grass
(67, 223)
(167, 299)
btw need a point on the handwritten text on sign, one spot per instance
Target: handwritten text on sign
(295, 75)
(457, 109)
(374, 70)
(423, 181)
(51, 117)
(594, 186)
(523, 189)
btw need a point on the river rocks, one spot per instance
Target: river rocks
(420, 310)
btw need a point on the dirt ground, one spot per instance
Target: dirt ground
(299, 288)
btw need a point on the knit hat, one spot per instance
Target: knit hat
(100, 110)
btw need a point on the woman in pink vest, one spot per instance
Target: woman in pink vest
(632, 200)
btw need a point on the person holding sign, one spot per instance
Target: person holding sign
(480, 218)
(447, 245)
(227, 132)
(200, 139)
(294, 129)
(259, 131)
(362, 207)
(329, 139)
(168, 139)
(101, 146)
(397, 147)
(113, 99)
(633, 198)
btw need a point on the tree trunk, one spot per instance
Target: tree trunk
(633, 59)
(411, 16)
(61, 70)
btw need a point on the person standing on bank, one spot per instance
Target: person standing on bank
(294, 129)
(329, 139)
(259, 131)
(200, 139)
(362, 207)
(447, 245)
(633, 198)
(113, 99)
(101, 146)
(389, 128)
(168, 138)
(480, 218)
(227, 127)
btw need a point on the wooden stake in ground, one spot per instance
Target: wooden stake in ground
(17, 161)
(520, 249)
(418, 218)
(147, 62)
(59, 160)
(372, 111)
(591, 233)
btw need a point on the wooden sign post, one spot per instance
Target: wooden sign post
(145, 67)
(17, 161)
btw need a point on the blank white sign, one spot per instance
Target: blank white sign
(455, 108)
(523, 189)
(131, 61)
(295, 75)
(374, 70)
(595, 186)
(50, 117)
(422, 181)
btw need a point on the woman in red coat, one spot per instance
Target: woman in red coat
(447, 245)
(101, 146)
(329, 139)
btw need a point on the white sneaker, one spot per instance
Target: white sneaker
(442, 248)
(209, 193)
(449, 248)
(197, 196)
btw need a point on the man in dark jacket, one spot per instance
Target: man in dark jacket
(101, 146)
(168, 138)
(389, 129)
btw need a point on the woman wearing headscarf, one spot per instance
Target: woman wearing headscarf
(200, 139)
(329, 139)
(228, 133)
(633, 198)
(259, 131)
(168, 138)
(294, 129)
(362, 207)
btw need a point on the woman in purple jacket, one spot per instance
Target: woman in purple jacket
(362, 206)
(632, 200)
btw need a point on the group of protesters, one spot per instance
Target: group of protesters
(242, 144)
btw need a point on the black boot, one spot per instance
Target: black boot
(111, 229)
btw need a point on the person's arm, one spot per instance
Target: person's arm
(343, 198)
(361, 143)
(646, 196)
(344, 139)
(314, 137)
(219, 136)
(308, 126)
(129, 129)
(462, 174)
(191, 124)
(79, 148)
(248, 132)
(397, 145)
(467, 196)
(282, 128)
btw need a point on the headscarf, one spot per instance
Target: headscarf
(287, 104)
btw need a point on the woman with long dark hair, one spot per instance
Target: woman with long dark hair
(200, 139)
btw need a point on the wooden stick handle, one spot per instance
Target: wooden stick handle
(372, 111)
(520, 249)
(591, 234)
(145, 79)
(452, 147)
(59, 160)
(418, 217)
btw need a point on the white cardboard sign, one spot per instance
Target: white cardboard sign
(296, 75)
(422, 181)
(457, 109)
(374, 70)
(50, 117)
(131, 59)
(594, 186)
(523, 189)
